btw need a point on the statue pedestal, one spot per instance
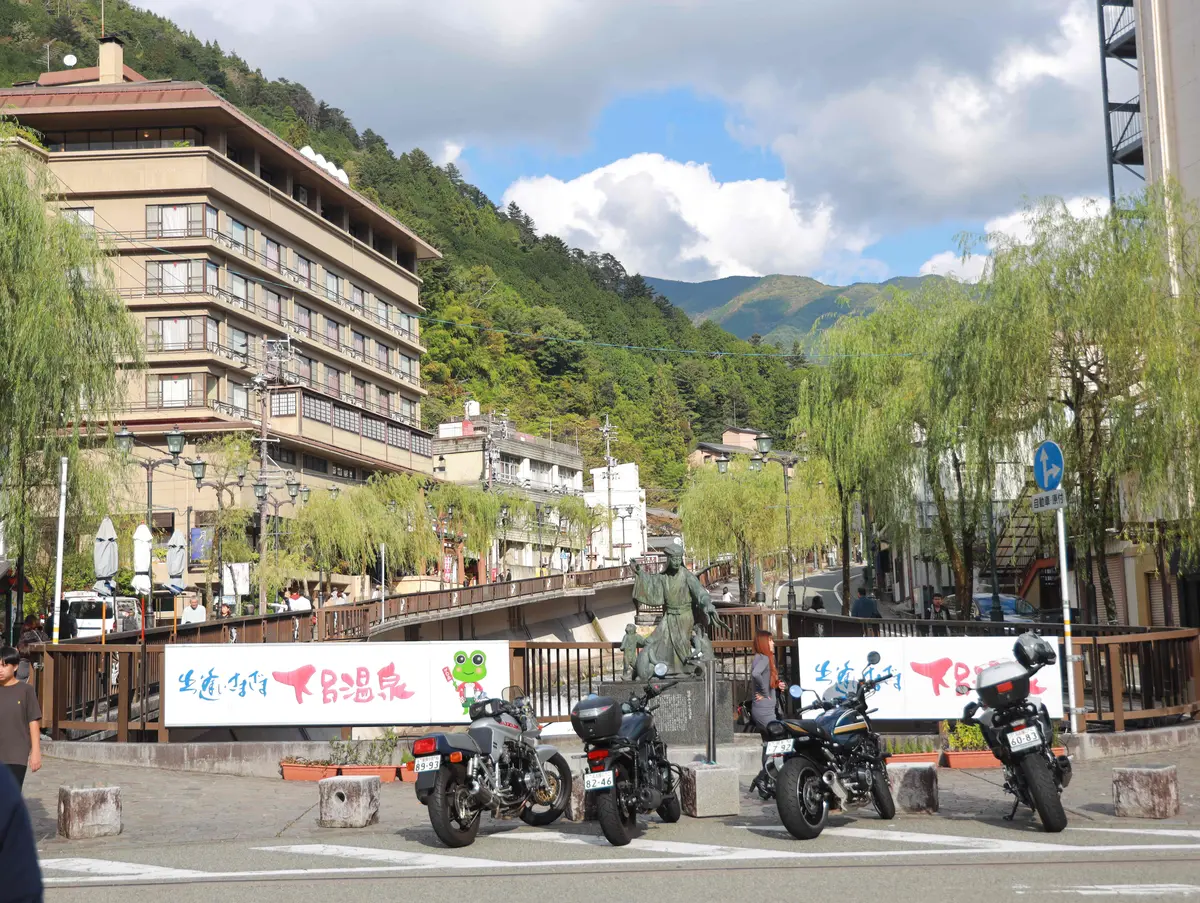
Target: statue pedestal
(681, 713)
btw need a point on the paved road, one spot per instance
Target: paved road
(195, 837)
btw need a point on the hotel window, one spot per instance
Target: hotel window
(238, 287)
(398, 437)
(385, 401)
(210, 221)
(374, 429)
(172, 277)
(274, 307)
(304, 269)
(174, 391)
(287, 455)
(212, 277)
(360, 389)
(359, 342)
(316, 409)
(173, 333)
(333, 380)
(345, 473)
(274, 254)
(407, 409)
(332, 286)
(357, 297)
(83, 216)
(332, 332)
(176, 220)
(212, 334)
(241, 236)
(239, 341)
(422, 445)
(304, 319)
(347, 419)
(383, 311)
(317, 465)
(239, 398)
(304, 368)
(383, 354)
(283, 404)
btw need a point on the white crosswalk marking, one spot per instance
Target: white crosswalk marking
(391, 857)
(1157, 891)
(639, 844)
(112, 868)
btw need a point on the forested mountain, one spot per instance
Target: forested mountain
(779, 309)
(501, 296)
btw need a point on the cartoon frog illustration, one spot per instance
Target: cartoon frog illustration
(469, 669)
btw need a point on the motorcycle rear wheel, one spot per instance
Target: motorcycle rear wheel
(800, 798)
(443, 810)
(881, 793)
(617, 823)
(559, 775)
(1047, 801)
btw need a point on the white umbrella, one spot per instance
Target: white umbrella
(176, 561)
(104, 556)
(143, 541)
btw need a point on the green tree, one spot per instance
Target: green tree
(227, 456)
(65, 342)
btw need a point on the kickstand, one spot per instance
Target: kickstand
(1013, 814)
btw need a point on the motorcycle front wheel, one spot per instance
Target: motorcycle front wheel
(616, 821)
(1046, 799)
(800, 797)
(881, 792)
(453, 821)
(548, 803)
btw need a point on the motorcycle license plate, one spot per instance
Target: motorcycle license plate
(779, 747)
(1023, 739)
(427, 763)
(600, 780)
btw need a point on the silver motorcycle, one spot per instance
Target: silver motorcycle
(498, 765)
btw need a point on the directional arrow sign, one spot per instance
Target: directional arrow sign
(1048, 466)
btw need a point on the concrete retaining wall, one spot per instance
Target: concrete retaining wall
(1088, 747)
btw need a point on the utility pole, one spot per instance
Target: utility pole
(275, 352)
(607, 431)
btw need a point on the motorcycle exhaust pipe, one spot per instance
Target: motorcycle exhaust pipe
(829, 777)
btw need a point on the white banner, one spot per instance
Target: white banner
(341, 684)
(930, 669)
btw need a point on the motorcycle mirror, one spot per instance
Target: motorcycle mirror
(660, 670)
(873, 658)
(962, 690)
(794, 691)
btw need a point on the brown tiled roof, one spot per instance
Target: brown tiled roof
(76, 76)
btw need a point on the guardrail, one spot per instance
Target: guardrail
(810, 624)
(359, 620)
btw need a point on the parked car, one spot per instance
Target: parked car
(1015, 608)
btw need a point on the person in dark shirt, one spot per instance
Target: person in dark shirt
(18, 851)
(865, 606)
(20, 733)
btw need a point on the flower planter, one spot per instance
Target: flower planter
(407, 775)
(1059, 750)
(293, 771)
(974, 758)
(926, 758)
(385, 773)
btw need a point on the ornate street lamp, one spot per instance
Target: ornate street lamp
(124, 440)
(723, 464)
(175, 442)
(756, 462)
(260, 490)
(293, 485)
(763, 442)
(199, 468)
(305, 492)
(334, 492)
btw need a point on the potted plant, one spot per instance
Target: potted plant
(406, 766)
(1056, 742)
(909, 750)
(295, 768)
(368, 757)
(966, 748)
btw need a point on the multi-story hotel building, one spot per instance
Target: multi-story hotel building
(228, 241)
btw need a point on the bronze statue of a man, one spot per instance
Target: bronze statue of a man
(684, 603)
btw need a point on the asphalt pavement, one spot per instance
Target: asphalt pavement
(192, 837)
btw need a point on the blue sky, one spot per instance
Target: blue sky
(695, 139)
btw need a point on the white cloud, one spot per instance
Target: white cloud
(885, 115)
(449, 153)
(1015, 226)
(675, 220)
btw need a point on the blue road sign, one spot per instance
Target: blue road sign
(1048, 466)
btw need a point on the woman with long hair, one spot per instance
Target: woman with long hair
(765, 677)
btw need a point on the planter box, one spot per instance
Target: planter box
(1059, 750)
(407, 775)
(294, 772)
(385, 773)
(981, 758)
(927, 758)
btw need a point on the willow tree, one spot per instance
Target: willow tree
(739, 511)
(1095, 320)
(227, 457)
(65, 339)
(413, 543)
(577, 520)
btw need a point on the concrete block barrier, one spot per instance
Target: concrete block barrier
(1147, 791)
(581, 806)
(706, 791)
(914, 788)
(85, 812)
(348, 802)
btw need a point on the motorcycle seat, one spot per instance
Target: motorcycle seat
(808, 728)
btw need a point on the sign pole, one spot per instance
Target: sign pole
(58, 561)
(1066, 605)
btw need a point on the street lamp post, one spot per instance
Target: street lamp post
(723, 464)
(175, 443)
(537, 507)
(199, 468)
(627, 512)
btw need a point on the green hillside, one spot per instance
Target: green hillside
(498, 277)
(779, 309)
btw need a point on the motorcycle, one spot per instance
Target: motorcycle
(627, 765)
(1020, 733)
(835, 761)
(498, 765)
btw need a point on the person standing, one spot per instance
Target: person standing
(727, 597)
(193, 612)
(939, 614)
(765, 678)
(865, 606)
(20, 717)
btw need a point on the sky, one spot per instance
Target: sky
(696, 139)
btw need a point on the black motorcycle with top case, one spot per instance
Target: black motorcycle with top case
(627, 767)
(498, 765)
(834, 761)
(1020, 734)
